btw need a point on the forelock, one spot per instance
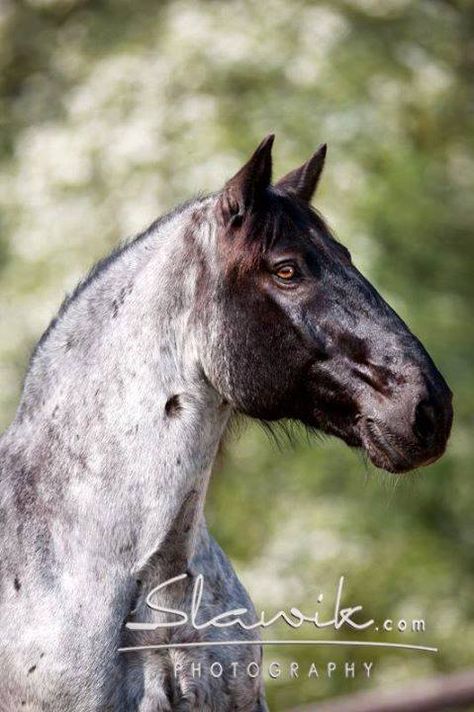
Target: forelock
(279, 218)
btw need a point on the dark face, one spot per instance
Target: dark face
(306, 336)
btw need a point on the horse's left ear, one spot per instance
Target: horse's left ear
(243, 191)
(304, 180)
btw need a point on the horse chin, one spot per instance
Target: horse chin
(384, 460)
(385, 454)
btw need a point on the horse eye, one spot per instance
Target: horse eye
(285, 272)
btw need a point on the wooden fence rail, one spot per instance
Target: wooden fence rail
(438, 694)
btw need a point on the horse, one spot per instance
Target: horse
(239, 302)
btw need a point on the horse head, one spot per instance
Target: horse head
(294, 330)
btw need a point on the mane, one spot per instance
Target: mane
(100, 267)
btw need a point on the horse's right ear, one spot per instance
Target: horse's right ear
(245, 189)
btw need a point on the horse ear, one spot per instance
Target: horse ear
(304, 180)
(249, 183)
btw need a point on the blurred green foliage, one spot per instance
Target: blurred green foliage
(111, 112)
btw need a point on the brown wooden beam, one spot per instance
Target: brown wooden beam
(438, 694)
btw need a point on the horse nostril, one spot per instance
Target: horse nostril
(425, 422)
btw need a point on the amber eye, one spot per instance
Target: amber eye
(285, 272)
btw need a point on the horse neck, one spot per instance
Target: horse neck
(117, 408)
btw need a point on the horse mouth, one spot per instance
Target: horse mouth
(382, 451)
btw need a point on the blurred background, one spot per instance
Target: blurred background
(111, 112)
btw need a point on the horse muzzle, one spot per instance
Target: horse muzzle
(410, 431)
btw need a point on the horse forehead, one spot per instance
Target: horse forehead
(312, 241)
(299, 227)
